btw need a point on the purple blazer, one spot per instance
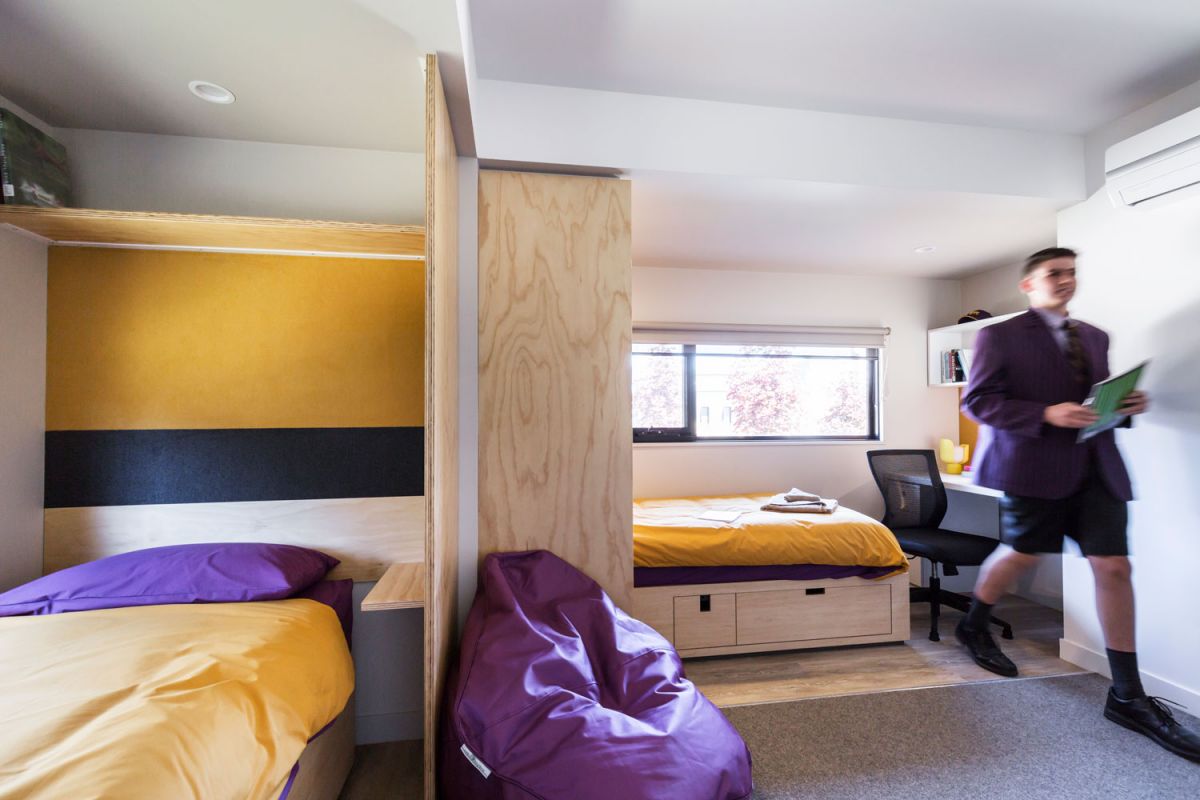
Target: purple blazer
(1018, 370)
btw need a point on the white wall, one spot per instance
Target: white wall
(914, 415)
(22, 405)
(521, 122)
(995, 290)
(183, 174)
(192, 175)
(1141, 283)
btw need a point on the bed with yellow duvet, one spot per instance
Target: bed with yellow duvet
(177, 699)
(719, 575)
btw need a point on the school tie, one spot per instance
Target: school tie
(1075, 355)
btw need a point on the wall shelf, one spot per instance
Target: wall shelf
(402, 586)
(955, 337)
(138, 229)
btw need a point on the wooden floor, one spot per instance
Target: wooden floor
(778, 677)
(393, 769)
(389, 770)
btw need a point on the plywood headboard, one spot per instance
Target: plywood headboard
(365, 534)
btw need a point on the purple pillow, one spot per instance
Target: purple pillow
(220, 572)
(338, 595)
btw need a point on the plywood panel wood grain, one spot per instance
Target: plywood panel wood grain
(555, 452)
(441, 405)
(199, 231)
(402, 586)
(367, 534)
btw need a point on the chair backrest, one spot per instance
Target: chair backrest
(913, 494)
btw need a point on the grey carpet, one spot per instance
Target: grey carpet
(1004, 740)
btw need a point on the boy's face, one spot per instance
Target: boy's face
(1051, 284)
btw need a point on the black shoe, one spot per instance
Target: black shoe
(1150, 716)
(983, 649)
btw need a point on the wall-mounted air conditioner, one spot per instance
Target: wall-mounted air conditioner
(1156, 166)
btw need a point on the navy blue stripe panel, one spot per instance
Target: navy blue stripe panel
(126, 468)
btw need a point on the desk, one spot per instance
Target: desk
(966, 483)
(976, 509)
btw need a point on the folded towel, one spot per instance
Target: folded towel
(795, 494)
(819, 506)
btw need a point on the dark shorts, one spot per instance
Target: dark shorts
(1092, 517)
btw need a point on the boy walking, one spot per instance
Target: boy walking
(1030, 375)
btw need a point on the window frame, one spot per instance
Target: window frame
(688, 432)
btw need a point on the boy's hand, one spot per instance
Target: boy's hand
(1135, 403)
(1069, 415)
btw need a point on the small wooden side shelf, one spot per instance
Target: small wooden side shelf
(402, 586)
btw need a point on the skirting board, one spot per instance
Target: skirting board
(1160, 687)
(398, 726)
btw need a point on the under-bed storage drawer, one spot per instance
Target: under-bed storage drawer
(793, 615)
(705, 620)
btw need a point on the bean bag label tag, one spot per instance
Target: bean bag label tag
(475, 762)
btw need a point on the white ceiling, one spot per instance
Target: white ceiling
(1061, 67)
(1047, 65)
(337, 73)
(792, 226)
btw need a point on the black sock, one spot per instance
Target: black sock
(978, 615)
(1127, 683)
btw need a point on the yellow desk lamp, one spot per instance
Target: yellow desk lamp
(954, 456)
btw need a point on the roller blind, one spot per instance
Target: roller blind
(694, 333)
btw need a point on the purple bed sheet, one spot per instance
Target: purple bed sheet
(559, 695)
(683, 576)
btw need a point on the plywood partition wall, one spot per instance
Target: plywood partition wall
(555, 442)
(441, 405)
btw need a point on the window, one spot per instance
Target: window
(752, 387)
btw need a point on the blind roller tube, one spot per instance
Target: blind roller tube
(676, 333)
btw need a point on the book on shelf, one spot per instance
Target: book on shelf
(955, 365)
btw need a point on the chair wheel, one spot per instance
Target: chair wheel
(933, 636)
(1006, 633)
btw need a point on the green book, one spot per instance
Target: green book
(33, 166)
(1106, 398)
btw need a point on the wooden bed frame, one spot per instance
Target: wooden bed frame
(713, 619)
(327, 760)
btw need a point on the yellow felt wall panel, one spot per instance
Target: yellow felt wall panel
(180, 340)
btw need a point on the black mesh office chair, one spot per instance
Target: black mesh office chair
(914, 500)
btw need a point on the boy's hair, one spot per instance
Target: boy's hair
(1049, 253)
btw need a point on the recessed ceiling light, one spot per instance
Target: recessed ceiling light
(207, 90)
(927, 248)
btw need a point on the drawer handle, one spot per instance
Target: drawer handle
(705, 603)
(814, 591)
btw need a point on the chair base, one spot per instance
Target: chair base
(937, 597)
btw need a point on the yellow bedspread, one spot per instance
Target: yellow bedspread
(184, 701)
(672, 533)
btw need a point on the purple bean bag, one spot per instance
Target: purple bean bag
(559, 695)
